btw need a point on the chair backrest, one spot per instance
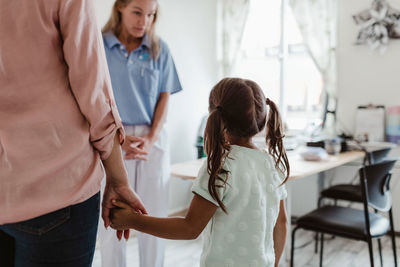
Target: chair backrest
(377, 155)
(375, 180)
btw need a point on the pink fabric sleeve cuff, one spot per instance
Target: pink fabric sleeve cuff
(105, 145)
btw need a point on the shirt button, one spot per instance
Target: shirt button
(126, 54)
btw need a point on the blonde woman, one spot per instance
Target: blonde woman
(143, 77)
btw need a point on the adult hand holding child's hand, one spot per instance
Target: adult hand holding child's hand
(121, 216)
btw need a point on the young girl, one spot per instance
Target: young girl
(240, 188)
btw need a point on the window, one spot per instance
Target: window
(261, 60)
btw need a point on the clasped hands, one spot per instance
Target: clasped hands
(137, 147)
(124, 194)
(123, 216)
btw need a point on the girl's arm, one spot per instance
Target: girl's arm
(280, 230)
(189, 227)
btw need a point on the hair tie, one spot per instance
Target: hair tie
(268, 101)
(219, 108)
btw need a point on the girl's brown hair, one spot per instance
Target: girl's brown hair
(114, 25)
(238, 107)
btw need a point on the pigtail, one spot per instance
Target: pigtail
(274, 139)
(216, 150)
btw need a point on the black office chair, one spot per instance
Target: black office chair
(354, 223)
(352, 192)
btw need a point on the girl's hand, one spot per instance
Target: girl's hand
(133, 148)
(121, 216)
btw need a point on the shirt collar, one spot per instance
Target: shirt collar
(111, 40)
(146, 42)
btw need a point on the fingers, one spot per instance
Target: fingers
(120, 204)
(140, 207)
(134, 156)
(134, 152)
(105, 214)
(126, 234)
(137, 150)
(119, 234)
(134, 138)
(135, 203)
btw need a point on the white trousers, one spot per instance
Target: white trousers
(150, 180)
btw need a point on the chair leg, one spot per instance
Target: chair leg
(292, 249)
(394, 247)
(380, 251)
(319, 202)
(321, 253)
(316, 233)
(392, 233)
(371, 254)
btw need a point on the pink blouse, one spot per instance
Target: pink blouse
(57, 111)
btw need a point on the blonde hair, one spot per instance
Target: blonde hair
(114, 25)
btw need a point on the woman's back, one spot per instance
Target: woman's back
(252, 195)
(56, 106)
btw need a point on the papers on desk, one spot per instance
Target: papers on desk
(313, 154)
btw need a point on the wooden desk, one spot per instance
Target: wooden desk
(299, 167)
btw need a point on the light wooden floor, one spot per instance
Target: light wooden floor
(341, 252)
(338, 252)
(182, 253)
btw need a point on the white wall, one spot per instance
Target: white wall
(363, 76)
(189, 28)
(366, 77)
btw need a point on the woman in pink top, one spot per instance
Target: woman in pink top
(58, 121)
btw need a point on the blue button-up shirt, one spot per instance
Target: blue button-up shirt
(137, 79)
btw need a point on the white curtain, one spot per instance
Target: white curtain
(232, 17)
(317, 20)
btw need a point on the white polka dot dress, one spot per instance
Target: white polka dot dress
(244, 236)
